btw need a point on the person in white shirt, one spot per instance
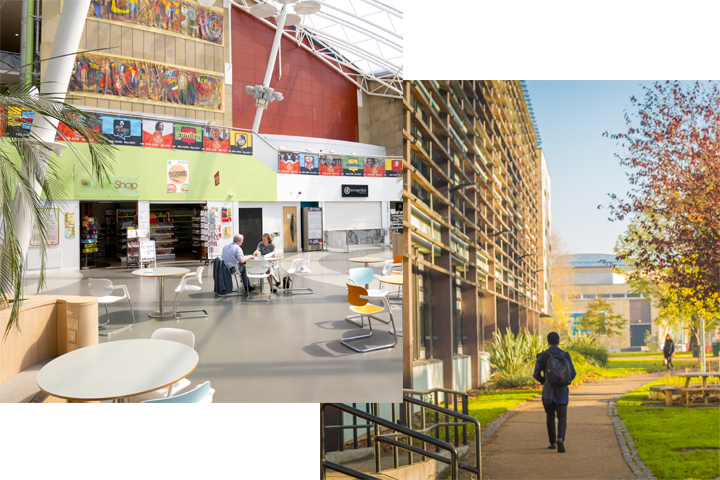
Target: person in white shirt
(264, 248)
(233, 257)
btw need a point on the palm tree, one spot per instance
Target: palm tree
(30, 182)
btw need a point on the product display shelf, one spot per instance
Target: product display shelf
(164, 236)
(182, 219)
(88, 240)
(196, 239)
(124, 219)
(208, 233)
(109, 234)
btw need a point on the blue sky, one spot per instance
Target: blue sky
(571, 118)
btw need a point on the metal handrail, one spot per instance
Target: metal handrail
(378, 421)
(407, 431)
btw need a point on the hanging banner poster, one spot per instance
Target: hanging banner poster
(393, 167)
(188, 137)
(178, 176)
(374, 167)
(19, 122)
(157, 134)
(309, 164)
(216, 140)
(241, 142)
(104, 75)
(331, 165)
(93, 120)
(226, 214)
(288, 162)
(353, 167)
(184, 18)
(122, 131)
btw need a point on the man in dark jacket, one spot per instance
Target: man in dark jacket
(555, 399)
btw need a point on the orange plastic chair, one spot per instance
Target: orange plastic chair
(358, 299)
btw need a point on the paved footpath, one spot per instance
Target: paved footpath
(518, 450)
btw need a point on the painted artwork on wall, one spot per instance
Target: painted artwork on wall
(105, 75)
(216, 140)
(309, 164)
(353, 167)
(157, 134)
(330, 165)
(184, 18)
(393, 167)
(188, 137)
(122, 130)
(241, 143)
(288, 162)
(374, 167)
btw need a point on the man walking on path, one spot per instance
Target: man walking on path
(555, 371)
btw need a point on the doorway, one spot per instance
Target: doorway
(637, 335)
(250, 226)
(290, 225)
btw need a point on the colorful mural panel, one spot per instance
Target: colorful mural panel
(145, 80)
(179, 17)
(331, 165)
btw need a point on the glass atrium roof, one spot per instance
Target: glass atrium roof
(365, 36)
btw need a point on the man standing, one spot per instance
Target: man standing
(233, 256)
(555, 371)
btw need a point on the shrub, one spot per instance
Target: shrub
(509, 353)
(589, 347)
(515, 380)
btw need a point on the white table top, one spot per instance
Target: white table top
(160, 272)
(366, 260)
(117, 369)
(392, 279)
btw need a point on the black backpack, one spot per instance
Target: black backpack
(557, 370)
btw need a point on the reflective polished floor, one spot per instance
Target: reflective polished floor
(286, 351)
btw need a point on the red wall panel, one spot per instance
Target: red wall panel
(319, 102)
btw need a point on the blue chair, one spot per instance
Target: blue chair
(362, 277)
(201, 394)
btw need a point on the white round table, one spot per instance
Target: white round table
(117, 370)
(160, 273)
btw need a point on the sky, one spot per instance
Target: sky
(571, 118)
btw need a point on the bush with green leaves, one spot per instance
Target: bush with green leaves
(515, 380)
(589, 347)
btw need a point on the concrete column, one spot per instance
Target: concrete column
(514, 317)
(503, 314)
(472, 329)
(523, 322)
(489, 316)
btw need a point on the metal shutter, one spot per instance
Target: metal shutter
(353, 215)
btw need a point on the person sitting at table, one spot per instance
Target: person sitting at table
(263, 248)
(233, 257)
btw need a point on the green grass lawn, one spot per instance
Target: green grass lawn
(620, 368)
(648, 354)
(659, 432)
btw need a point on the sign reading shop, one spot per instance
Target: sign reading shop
(354, 190)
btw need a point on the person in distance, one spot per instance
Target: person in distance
(555, 371)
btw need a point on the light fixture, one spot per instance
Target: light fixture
(332, 151)
(282, 148)
(309, 149)
(206, 3)
(263, 10)
(291, 20)
(210, 123)
(307, 8)
(286, 2)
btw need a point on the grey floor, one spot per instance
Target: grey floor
(286, 351)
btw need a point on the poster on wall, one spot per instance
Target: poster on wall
(188, 137)
(393, 167)
(227, 214)
(241, 143)
(185, 18)
(52, 228)
(288, 162)
(353, 167)
(19, 122)
(157, 134)
(93, 120)
(330, 165)
(228, 232)
(216, 140)
(309, 164)
(122, 130)
(178, 176)
(374, 167)
(122, 77)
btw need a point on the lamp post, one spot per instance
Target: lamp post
(263, 94)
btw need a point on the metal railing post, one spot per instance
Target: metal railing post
(322, 442)
(393, 417)
(376, 434)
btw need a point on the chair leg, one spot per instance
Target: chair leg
(371, 349)
(107, 314)
(248, 299)
(299, 291)
(107, 334)
(177, 312)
